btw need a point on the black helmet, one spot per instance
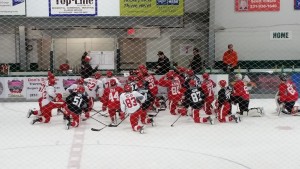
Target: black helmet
(283, 77)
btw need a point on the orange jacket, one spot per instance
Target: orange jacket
(230, 58)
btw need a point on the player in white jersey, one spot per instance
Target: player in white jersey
(94, 89)
(74, 86)
(49, 102)
(94, 86)
(106, 80)
(130, 104)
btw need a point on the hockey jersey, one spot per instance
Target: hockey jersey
(111, 97)
(288, 92)
(130, 101)
(94, 87)
(77, 102)
(193, 97)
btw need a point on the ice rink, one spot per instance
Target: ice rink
(257, 142)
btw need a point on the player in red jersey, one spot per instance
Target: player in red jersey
(111, 99)
(151, 84)
(240, 94)
(287, 95)
(207, 86)
(175, 91)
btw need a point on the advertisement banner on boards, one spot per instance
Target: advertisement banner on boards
(151, 7)
(72, 8)
(15, 87)
(257, 5)
(12, 7)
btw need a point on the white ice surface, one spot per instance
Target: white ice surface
(257, 142)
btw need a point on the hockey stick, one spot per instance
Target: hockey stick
(176, 120)
(98, 121)
(95, 129)
(98, 111)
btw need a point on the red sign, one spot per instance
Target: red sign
(257, 5)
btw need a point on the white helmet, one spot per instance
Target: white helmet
(238, 76)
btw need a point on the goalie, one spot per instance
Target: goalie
(287, 96)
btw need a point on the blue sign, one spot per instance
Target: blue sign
(297, 4)
(16, 2)
(167, 2)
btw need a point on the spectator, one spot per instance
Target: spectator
(64, 68)
(197, 64)
(230, 59)
(163, 63)
(86, 68)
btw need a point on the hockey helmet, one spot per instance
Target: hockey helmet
(192, 83)
(87, 59)
(190, 72)
(97, 75)
(131, 78)
(205, 76)
(51, 82)
(109, 73)
(80, 81)
(170, 75)
(50, 75)
(142, 66)
(113, 82)
(140, 84)
(222, 83)
(80, 89)
(127, 88)
(283, 77)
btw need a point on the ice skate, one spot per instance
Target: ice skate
(142, 130)
(211, 120)
(29, 113)
(68, 124)
(35, 120)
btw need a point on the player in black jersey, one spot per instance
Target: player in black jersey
(76, 103)
(194, 98)
(148, 100)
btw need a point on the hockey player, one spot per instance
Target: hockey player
(240, 94)
(48, 103)
(77, 102)
(191, 76)
(109, 76)
(94, 89)
(194, 98)
(287, 96)
(207, 86)
(132, 83)
(175, 90)
(130, 104)
(151, 84)
(111, 99)
(148, 100)
(74, 86)
(223, 104)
